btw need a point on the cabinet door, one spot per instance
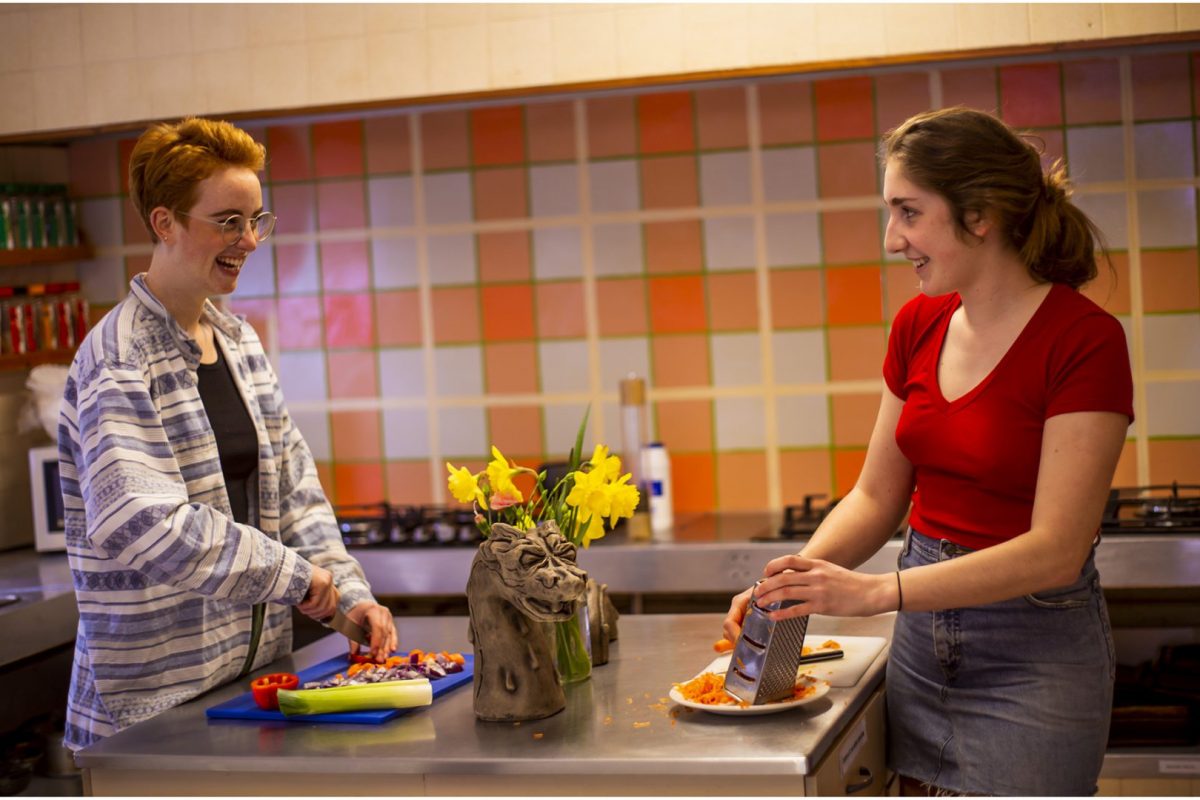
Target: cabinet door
(856, 764)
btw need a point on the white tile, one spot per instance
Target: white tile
(1163, 150)
(397, 64)
(1167, 218)
(1138, 19)
(739, 423)
(557, 253)
(802, 420)
(102, 280)
(1172, 341)
(614, 185)
(283, 69)
(401, 372)
(783, 33)
(337, 71)
(919, 28)
(617, 249)
(314, 427)
(276, 23)
(217, 26)
(395, 17)
(793, 239)
(584, 45)
(725, 179)
(564, 366)
(164, 29)
(257, 278)
(332, 20)
(302, 376)
(736, 359)
(852, 30)
(457, 58)
(390, 201)
(1096, 154)
(108, 32)
(618, 358)
(1108, 212)
(789, 174)
(990, 24)
(169, 85)
(14, 42)
(54, 38)
(462, 432)
(114, 92)
(1171, 408)
(406, 433)
(394, 263)
(560, 423)
(18, 113)
(520, 52)
(218, 94)
(448, 198)
(100, 218)
(305, 277)
(649, 40)
(1065, 22)
(716, 36)
(729, 243)
(799, 357)
(554, 190)
(458, 371)
(452, 259)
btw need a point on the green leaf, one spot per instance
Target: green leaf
(577, 451)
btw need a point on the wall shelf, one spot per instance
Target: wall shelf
(19, 361)
(44, 255)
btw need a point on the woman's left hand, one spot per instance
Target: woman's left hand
(378, 622)
(825, 588)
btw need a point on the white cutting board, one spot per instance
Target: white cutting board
(861, 652)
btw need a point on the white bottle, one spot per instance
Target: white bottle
(656, 471)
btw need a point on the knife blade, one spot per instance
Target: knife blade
(348, 628)
(821, 655)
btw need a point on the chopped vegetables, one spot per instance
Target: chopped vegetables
(722, 645)
(417, 664)
(707, 688)
(265, 688)
(365, 697)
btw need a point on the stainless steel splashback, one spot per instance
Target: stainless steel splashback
(16, 523)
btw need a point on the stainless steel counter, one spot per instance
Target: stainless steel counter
(618, 723)
(44, 615)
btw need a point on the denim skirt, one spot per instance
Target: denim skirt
(1009, 698)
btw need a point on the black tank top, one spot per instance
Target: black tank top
(237, 441)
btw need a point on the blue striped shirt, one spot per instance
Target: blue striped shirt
(165, 579)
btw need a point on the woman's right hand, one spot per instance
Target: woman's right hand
(737, 612)
(322, 599)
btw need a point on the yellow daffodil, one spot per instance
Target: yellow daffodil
(593, 531)
(606, 465)
(590, 495)
(624, 499)
(499, 477)
(464, 486)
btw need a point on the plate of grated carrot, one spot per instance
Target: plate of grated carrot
(706, 692)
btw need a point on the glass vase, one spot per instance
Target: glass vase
(573, 646)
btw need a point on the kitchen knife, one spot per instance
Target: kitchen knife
(348, 628)
(821, 655)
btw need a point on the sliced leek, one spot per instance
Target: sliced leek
(356, 697)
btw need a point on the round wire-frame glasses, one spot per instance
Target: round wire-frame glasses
(234, 227)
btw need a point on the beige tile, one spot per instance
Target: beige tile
(58, 98)
(454, 15)
(17, 112)
(991, 25)
(457, 58)
(395, 17)
(397, 65)
(337, 71)
(520, 52)
(1138, 19)
(584, 45)
(511, 11)
(114, 92)
(334, 20)
(716, 36)
(1156, 787)
(54, 37)
(277, 23)
(783, 33)
(217, 93)
(850, 31)
(217, 27)
(170, 85)
(919, 28)
(1065, 22)
(108, 32)
(282, 72)
(649, 40)
(14, 41)
(1188, 19)
(162, 29)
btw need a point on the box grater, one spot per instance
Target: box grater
(767, 655)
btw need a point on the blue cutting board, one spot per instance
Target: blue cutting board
(244, 707)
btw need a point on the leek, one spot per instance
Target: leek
(356, 697)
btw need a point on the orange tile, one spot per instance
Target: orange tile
(901, 285)
(1175, 460)
(338, 148)
(92, 167)
(1170, 280)
(135, 265)
(1031, 94)
(612, 126)
(500, 193)
(854, 295)
(898, 96)
(673, 246)
(721, 118)
(732, 301)
(669, 182)
(299, 323)
(445, 140)
(685, 426)
(511, 367)
(345, 266)
(340, 204)
(1111, 291)
(354, 435)
(359, 483)
(742, 481)
(856, 353)
(498, 135)
(853, 418)
(677, 305)
(796, 298)
(693, 482)
(348, 321)
(503, 256)
(847, 466)
(845, 108)
(409, 483)
(1161, 86)
(1126, 474)
(517, 431)
(680, 360)
(974, 87)
(560, 313)
(325, 476)
(785, 112)
(507, 312)
(621, 306)
(1196, 79)
(289, 153)
(388, 144)
(849, 237)
(847, 170)
(550, 128)
(398, 317)
(1092, 91)
(805, 472)
(352, 374)
(665, 122)
(455, 314)
(258, 313)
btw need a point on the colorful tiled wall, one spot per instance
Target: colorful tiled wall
(447, 278)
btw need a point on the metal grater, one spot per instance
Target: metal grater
(767, 655)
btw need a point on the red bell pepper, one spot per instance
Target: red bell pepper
(266, 688)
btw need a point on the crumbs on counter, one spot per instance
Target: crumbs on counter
(641, 724)
(629, 700)
(608, 720)
(538, 735)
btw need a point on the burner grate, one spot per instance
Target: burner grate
(415, 526)
(1163, 509)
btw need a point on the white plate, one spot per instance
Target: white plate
(720, 666)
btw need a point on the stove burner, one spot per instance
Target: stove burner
(385, 525)
(1167, 508)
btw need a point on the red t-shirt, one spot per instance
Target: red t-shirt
(976, 459)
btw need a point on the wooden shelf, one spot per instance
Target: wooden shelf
(19, 361)
(44, 255)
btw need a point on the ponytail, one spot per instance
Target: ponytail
(1061, 241)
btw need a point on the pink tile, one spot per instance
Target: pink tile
(1092, 91)
(974, 87)
(389, 146)
(340, 204)
(353, 374)
(1161, 86)
(289, 153)
(299, 323)
(345, 266)
(348, 321)
(338, 148)
(296, 268)
(295, 208)
(1031, 95)
(92, 167)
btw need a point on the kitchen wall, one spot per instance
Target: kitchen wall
(448, 277)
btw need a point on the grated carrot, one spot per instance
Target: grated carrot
(707, 688)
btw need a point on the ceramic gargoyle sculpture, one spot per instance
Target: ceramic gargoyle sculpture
(519, 580)
(602, 621)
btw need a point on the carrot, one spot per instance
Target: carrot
(722, 645)
(707, 688)
(457, 658)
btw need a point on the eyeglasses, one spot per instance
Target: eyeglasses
(235, 227)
